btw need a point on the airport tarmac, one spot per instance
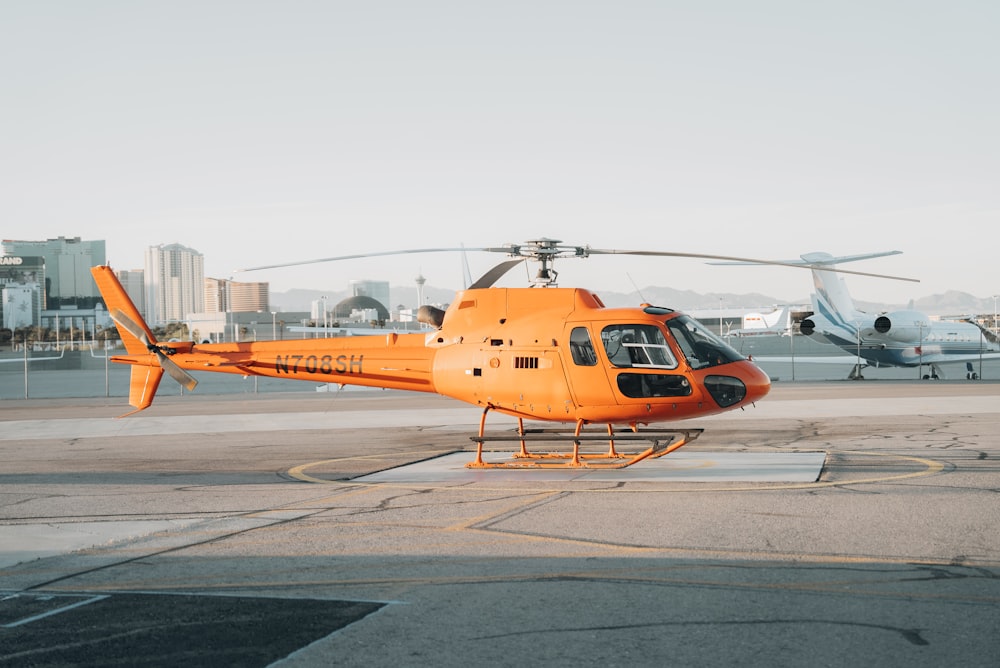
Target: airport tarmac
(307, 529)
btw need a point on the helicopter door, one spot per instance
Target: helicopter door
(587, 378)
(643, 365)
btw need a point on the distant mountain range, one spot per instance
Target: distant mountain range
(949, 303)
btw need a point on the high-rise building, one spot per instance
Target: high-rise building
(20, 306)
(67, 279)
(224, 296)
(22, 294)
(133, 280)
(216, 299)
(175, 283)
(249, 297)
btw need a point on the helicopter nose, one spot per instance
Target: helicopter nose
(757, 382)
(744, 384)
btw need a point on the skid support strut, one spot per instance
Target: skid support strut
(661, 442)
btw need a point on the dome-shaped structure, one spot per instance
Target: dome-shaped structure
(343, 309)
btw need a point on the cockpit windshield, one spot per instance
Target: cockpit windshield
(701, 347)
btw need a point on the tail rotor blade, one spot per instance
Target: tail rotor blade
(129, 325)
(173, 370)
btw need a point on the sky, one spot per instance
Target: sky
(259, 133)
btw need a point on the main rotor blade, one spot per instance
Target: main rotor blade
(547, 250)
(360, 255)
(494, 274)
(747, 260)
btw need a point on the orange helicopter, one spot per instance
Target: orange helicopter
(539, 353)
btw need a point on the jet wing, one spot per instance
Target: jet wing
(809, 359)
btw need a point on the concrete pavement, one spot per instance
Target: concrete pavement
(181, 534)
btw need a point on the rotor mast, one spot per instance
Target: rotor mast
(544, 251)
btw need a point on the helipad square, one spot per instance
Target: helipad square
(797, 467)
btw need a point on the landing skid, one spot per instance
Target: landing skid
(662, 442)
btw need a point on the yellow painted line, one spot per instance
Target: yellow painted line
(298, 472)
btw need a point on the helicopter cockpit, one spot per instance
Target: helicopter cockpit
(638, 351)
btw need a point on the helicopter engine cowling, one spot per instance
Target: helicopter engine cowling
(902, 326)
(429, 315)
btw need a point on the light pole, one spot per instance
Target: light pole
(920, 351)
(324, 316)
(996, 330)
(107, 376)
(791, 342)
(857, 326)
(274, 325)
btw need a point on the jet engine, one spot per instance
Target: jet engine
(901, 326)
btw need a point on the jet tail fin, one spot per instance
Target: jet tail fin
(832, 298)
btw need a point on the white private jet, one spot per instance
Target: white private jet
(903, 338)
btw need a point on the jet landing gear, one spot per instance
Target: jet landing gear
(935, 373)
(662, 441)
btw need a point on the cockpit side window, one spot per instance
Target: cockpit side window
(581, 347)
(637, 346)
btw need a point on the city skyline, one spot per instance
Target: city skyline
(420, 280)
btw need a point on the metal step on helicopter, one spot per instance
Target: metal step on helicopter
(541, 353)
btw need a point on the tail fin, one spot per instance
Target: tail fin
(831, 299)
(145, 379)
(115, 298)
